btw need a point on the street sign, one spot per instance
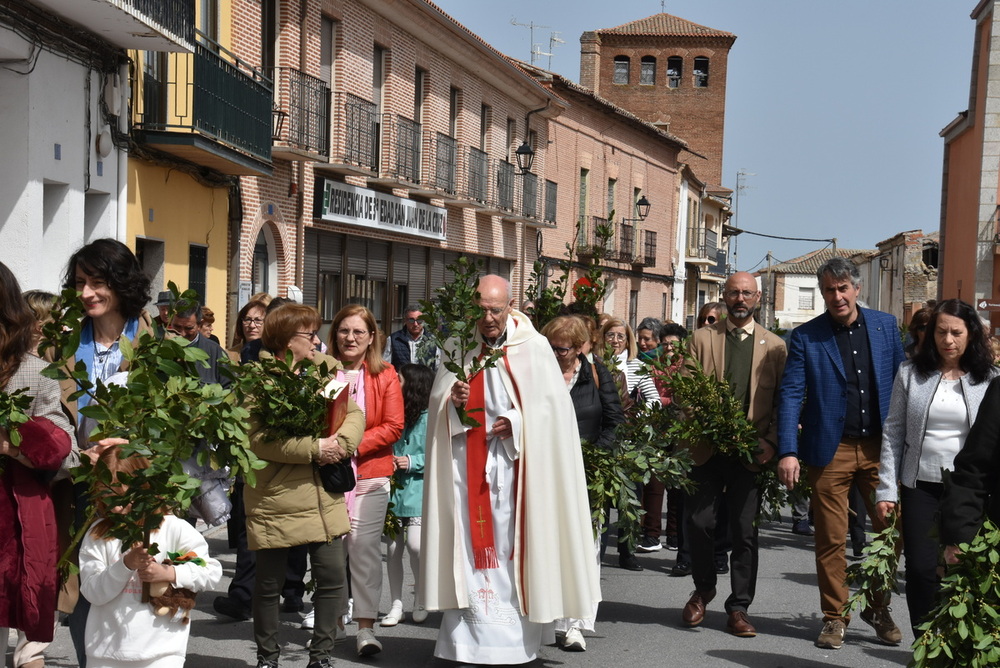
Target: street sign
(987, 305)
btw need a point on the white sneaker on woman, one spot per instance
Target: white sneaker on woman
(394, 616)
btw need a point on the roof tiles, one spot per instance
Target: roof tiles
(664, 24)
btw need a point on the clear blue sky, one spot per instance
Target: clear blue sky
(835, 107)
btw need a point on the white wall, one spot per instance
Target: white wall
(49, 207)
(791, 315)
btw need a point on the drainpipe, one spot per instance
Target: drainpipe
(121, 223)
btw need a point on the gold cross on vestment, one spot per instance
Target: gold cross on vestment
(481, 522)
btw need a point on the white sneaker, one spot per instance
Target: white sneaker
(394, 616)
(309, 620)
(349, 615)
(574, 642)
(367, 643)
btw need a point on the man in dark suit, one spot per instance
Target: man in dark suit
(751, 360)
(837, 385)
(187, 323)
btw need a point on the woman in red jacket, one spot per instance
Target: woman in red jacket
(355, 340)
(28, 537)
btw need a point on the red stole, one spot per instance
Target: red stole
(484, 551)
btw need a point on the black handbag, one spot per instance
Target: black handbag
(337, 478)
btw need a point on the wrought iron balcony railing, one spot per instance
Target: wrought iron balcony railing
(649, 249)
(408, 134)
(358, 144)
(211, 92)
(177, 16)
(529, 195)
(503, 184)
(551, 197)
(479, 177)
(306, 102)
(702, 244)
(626, 246)
(445, 157)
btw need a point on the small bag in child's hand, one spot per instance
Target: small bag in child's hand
(337, 478)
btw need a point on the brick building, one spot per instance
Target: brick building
(604, 160)
(410, 164)
(670, 72)
(970, 217)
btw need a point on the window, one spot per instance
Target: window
(197, 270)
(485, 118)
(551, 197)
(675, 70)
(647, 71)
(611, 198)
(622, 64)
(453, 107)
(208, 20)
(701, 72)
(807, 299)
(378, 77)
(419, 92)
(581, 239)
(511, 138)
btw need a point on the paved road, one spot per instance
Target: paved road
(638, 623)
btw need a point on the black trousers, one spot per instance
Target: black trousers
(922, 550)
(724, 477)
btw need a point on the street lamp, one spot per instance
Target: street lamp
(642, 207)
(524, 155)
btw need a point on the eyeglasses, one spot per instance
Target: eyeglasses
(736, 294)
(358, 333)
(411, 320)
(308, 335)
(256, 322)
(495, 311)
(561, 352)
(614, 336)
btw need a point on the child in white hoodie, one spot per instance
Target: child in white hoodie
(122, 631)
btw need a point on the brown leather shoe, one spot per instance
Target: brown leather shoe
(739, 625)
(694, 611)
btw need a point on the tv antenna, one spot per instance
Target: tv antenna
(531, 26)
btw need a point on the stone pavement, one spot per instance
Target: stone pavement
(638, 623)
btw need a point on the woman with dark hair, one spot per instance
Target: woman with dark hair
(114, 292)
(357, 342)
(288, 505)
(917, 330)
(249, 325)
(935, 399)
(407, 498)
(28, 535)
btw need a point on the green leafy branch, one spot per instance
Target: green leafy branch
(451, 319)
(14, 407)
(964, 628)
(877, 571)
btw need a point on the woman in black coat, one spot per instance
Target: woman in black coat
(598, 413)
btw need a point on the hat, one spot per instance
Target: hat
(165, 298)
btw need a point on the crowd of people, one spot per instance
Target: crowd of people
(485, 472)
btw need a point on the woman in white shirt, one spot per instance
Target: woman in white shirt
(935, 399)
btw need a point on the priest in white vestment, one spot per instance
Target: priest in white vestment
(507, 541)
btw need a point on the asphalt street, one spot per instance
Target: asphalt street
(638, 623)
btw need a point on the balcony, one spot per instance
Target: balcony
(304, 104)
(210, 108)
(146, 25)
(626, 242)
(445, 159)
(503, 193)
(479, 176)
(355, 145)
(702, 246)
(649, 249)
(589, 241)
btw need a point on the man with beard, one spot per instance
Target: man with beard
(751, 360)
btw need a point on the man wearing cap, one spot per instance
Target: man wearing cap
(163, 302)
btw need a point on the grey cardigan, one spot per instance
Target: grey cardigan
(904, 427)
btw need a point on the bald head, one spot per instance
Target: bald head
(497, 300)
(741, 296)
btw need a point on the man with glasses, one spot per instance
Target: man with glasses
(507, 542)
(751, 360)
(187, 323)
(410, 344)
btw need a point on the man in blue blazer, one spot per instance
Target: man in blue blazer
(837, 384)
